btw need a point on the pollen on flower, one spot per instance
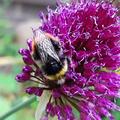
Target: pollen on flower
(89, 33)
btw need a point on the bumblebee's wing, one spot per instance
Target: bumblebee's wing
(45, 46)
(43, 100)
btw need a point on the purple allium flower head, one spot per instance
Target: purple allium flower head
(89, 32)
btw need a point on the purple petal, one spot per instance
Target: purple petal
(28, 60)
(56, 93)
(50, 109)
(22, 77)
(68, 112)
(24, 52)
(29, 42)
(100, 88)
(106, 113)
(38, 72)
(27, 69)
(34, 90)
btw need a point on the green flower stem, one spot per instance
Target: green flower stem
(18, 107)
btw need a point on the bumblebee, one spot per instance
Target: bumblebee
(47, 50)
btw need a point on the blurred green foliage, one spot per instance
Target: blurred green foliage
(7, 79)
(8, 45)
(11, 92)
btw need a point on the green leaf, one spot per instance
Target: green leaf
(116, 115)
(6, 105)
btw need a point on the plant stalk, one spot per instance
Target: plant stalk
(18, 107)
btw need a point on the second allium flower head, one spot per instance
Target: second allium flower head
(89, 33)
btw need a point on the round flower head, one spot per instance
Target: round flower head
(89, 33)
